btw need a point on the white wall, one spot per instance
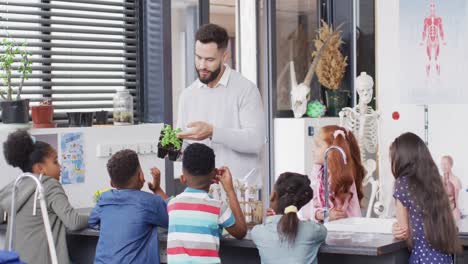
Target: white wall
(447, 129)
(96, 177)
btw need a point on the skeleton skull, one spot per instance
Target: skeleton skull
(364, 88)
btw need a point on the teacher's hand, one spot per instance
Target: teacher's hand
(198, 131)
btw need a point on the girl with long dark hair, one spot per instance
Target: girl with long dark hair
(424, 216)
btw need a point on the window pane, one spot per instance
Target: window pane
(296, 24)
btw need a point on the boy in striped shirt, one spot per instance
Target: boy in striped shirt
(195, 218)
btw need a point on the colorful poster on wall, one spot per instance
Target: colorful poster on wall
(72, 158)
(433, 53)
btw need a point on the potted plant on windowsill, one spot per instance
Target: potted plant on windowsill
(169, 144)
(331, 68)
(43, 114)
(14, 64)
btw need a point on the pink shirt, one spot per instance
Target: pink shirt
(351, 205)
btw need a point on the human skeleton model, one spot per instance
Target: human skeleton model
(432, 34)
(362, 121)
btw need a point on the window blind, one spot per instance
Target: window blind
(83, 50)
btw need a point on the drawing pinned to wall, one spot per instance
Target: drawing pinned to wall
(72, 158)
(433, 54)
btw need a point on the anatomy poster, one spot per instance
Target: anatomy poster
(72, 158)
(433, 52)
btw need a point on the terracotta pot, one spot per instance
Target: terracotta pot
(42, 114)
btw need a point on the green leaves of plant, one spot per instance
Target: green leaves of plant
(11, 49)
(170, 137)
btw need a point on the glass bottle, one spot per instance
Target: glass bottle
(123, 107)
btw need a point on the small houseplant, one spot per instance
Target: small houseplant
(169, 144)
(14, 63)
(43, 114)
(331, 68)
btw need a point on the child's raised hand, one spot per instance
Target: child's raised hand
(399, 232)
(224, 176)
(156, 184)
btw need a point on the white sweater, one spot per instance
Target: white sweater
(235, 110)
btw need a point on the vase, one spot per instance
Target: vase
(336, 100)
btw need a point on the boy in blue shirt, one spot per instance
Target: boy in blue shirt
(128, 217)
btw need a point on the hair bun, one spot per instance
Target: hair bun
(18, 148)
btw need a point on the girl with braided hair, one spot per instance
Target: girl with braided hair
(284, 238)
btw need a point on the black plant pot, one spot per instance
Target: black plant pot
(168, 150)
(102, 117)
(74, 119)
(174, 155)
(162, 152)
(15, 112)
(87, 119)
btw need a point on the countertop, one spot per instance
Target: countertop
(336, 243)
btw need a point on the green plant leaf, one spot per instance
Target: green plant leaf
(170, 137)
(12, 49)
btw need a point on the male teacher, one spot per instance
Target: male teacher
(223, 109)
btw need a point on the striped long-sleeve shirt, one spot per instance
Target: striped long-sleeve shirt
(195, 224)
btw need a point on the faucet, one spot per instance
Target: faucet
(45, 215)
(325, 178)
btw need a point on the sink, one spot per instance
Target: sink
(362, 225)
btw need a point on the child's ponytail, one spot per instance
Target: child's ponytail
(358, 169)
(293, 192)
(341, 172)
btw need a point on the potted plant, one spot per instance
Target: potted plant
(169, 144)
(14, 63)
(331, 68)
(43, 114)
(102, 117)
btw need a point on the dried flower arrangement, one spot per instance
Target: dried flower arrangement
(332, 64)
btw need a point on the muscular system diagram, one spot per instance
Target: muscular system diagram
(432, 37)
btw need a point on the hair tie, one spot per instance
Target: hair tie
(290, 209)
(33, 138)
(339, 132)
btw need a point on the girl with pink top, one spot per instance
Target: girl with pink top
(345, 180)
(452, 185)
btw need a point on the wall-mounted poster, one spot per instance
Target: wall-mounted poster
(72, 158)
(433, 53)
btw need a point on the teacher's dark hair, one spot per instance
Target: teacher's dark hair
(213, 33)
